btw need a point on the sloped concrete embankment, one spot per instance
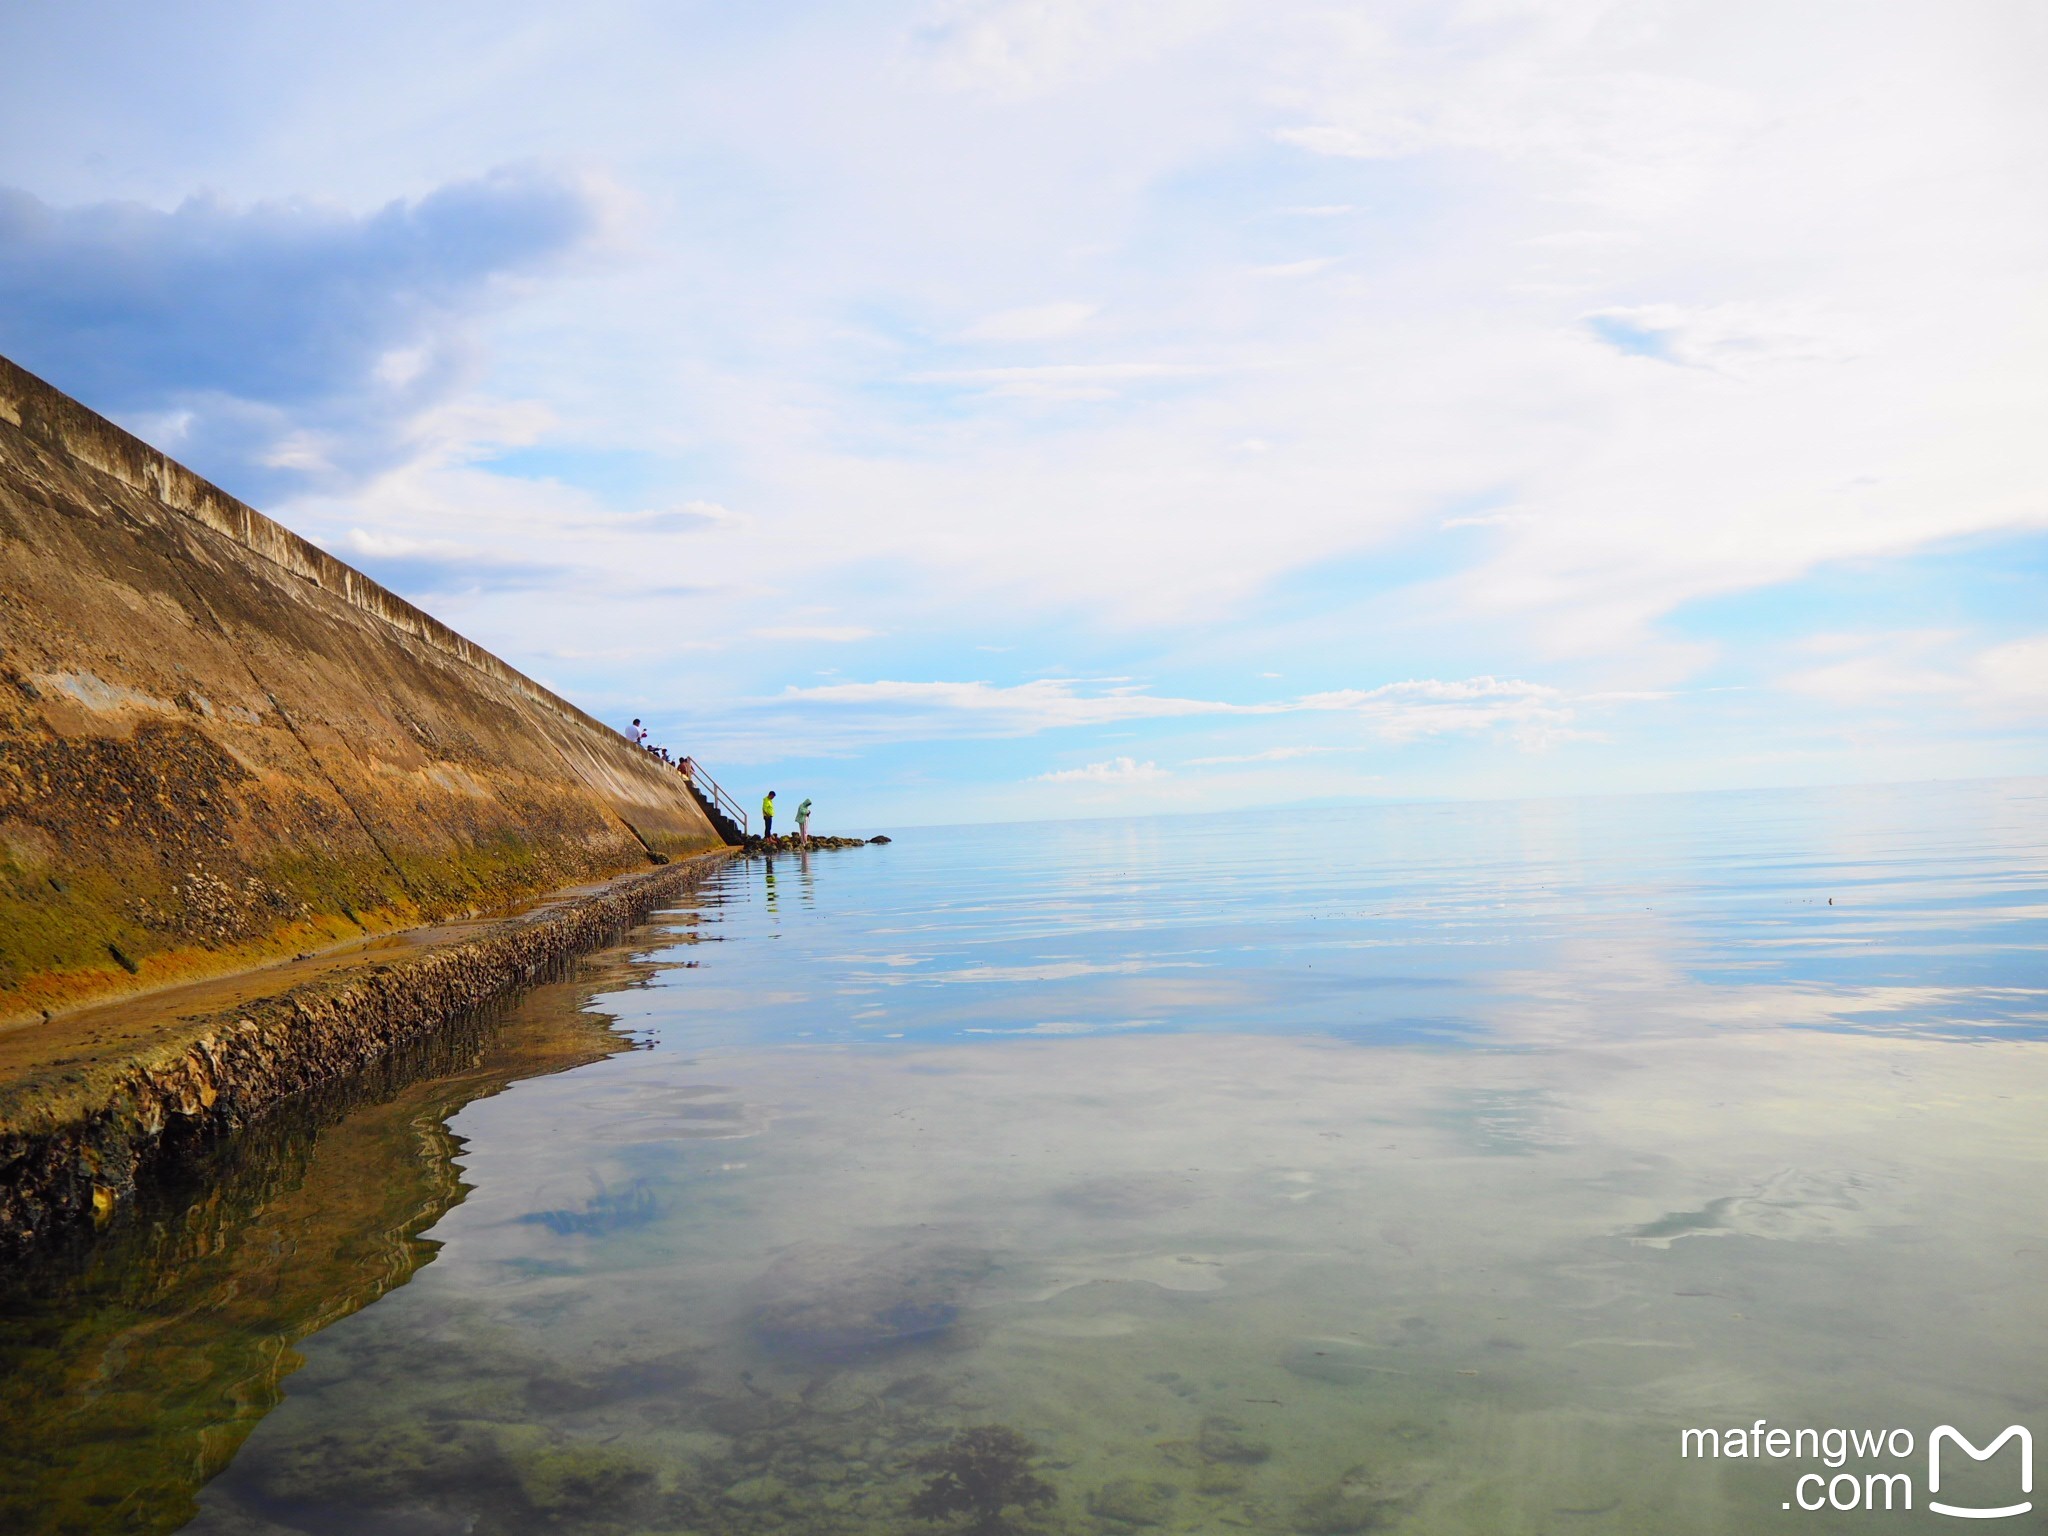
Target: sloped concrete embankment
(220, 746)
(76, 1135)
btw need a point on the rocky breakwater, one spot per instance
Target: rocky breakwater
(221, 747)
(790, 844)
(111, 1091)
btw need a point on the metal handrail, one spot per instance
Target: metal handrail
(718, 797)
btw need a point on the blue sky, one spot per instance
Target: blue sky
(1019, 408)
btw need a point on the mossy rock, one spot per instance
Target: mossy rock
(1226, 1440)
(376, 1465)
(575, 1477)
(829, 1303)
(1340, 1362)
(1357, 1501)
(759, 1493)
(1220, 1478)
(1133, 1501)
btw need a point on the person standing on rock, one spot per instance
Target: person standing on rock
(803, 822)
(768, 814)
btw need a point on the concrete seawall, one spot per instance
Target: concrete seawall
(220, 746)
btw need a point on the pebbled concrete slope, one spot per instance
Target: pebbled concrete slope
(220, 745)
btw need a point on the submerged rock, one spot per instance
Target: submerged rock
(1357, 1501)
(746, 1413)
(560, 1389)
(757, 1493)
(1331, 1513)
(564, 1476)
(1340, 1362)
(981, 1473)
(1226, 1440)
(833, 1302)
(1216, 1478)
(1133, 1501)
(660, 1375)
(552, 1393)
(390, 1465)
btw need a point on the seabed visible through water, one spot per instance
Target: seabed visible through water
(1406, 1169)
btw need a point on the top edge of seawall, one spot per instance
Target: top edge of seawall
(47, 415)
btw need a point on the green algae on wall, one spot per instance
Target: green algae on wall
(221, 746)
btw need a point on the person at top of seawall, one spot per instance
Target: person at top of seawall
(638, 735)
(803, 820)
(768, 814)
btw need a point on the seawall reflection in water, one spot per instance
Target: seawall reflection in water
(132, 1368)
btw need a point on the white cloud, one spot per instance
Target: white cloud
(1020, 48)
(1039, 322)
(1023, 708)
(695, 515)
(1384, 138)
(1921, 672)
(418, 568)
(1534, 715)
(301, 342)
(2013, 675)
(1855, 307)
(1270, 755)
(359, 541)
(1507, 517)
(1305, 268)
(830, 634)
(1118, 770)
(1062, 381)
(1732, 338)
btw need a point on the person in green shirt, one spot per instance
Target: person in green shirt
(803, 822)
(768, 814)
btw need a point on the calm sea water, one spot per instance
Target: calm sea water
(1408, 1169)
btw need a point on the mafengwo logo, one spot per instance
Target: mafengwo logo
(1844, 1488)
(1949, 1434)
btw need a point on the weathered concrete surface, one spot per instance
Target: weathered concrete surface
(89, 1102)
(220, 746)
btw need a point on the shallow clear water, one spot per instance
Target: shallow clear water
(1417, 1169)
